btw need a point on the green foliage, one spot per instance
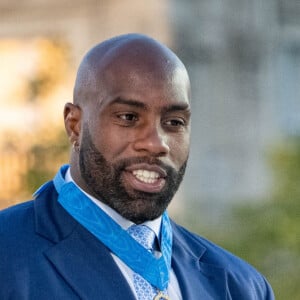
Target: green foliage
(267, 234)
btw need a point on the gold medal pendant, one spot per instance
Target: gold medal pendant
(161, 296)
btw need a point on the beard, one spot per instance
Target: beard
(104, 181)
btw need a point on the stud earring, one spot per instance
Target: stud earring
(75, 146)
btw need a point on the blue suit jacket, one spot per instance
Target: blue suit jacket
(46, 254)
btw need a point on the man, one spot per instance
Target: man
(82, 236)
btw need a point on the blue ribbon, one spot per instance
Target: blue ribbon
(95, 220)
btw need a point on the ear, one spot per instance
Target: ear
(72, 117)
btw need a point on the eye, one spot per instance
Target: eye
(175, 124)
(128, 117)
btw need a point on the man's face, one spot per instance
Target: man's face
(135, 143)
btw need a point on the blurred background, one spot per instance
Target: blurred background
(242, 187)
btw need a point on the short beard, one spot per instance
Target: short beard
(104, 181)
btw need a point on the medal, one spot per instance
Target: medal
(161, 296)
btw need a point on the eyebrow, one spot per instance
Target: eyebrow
(177, 107)
(138, 104)
(129, 102)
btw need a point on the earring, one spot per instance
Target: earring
(75, 146)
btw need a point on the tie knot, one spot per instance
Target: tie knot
(143, 235)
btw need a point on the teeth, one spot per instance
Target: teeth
(146, 176)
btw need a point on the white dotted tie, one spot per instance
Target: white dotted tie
(145, 236)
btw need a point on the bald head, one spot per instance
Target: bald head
(128, 56)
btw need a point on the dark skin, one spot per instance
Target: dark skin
(130, 125)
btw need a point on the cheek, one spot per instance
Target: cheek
(179, 150)
(111, 145)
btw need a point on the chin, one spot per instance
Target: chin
(139, 211)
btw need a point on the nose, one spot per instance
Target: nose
(152, 140)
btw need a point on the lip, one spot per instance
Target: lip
(144, 166)
(148, 187)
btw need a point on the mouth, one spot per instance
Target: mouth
(145, 178)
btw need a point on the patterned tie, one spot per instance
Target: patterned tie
(145, 236)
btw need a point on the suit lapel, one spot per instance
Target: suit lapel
(80, 259)
(197, 279)
(88, 267)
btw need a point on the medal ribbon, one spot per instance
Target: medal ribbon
(95, 220)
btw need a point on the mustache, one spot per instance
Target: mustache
(127, 162)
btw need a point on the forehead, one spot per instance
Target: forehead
(148, 78)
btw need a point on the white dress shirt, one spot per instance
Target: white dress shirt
(173, 287)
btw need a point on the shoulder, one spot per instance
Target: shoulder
(211, 252)
(240, 275)
(16, 217)
(18, 228)
(17, 235)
